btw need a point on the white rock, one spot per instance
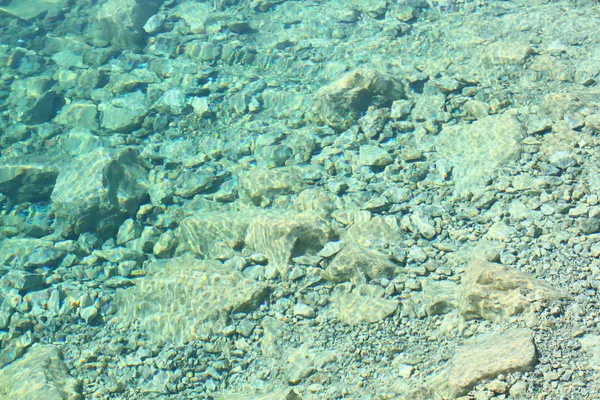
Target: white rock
(304, 310)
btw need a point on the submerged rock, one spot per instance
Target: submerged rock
(98, 191)
(39, 374)
(121, 22)
(341, 103)
(486, 357)
(497, 292)
(183, 299)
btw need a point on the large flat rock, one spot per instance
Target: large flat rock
(486, 357)
(499, 292)
(183, 298)
(39, 374)
(478, 149)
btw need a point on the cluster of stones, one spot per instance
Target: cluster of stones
(393, 199)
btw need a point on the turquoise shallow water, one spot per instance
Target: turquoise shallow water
(289, 199)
